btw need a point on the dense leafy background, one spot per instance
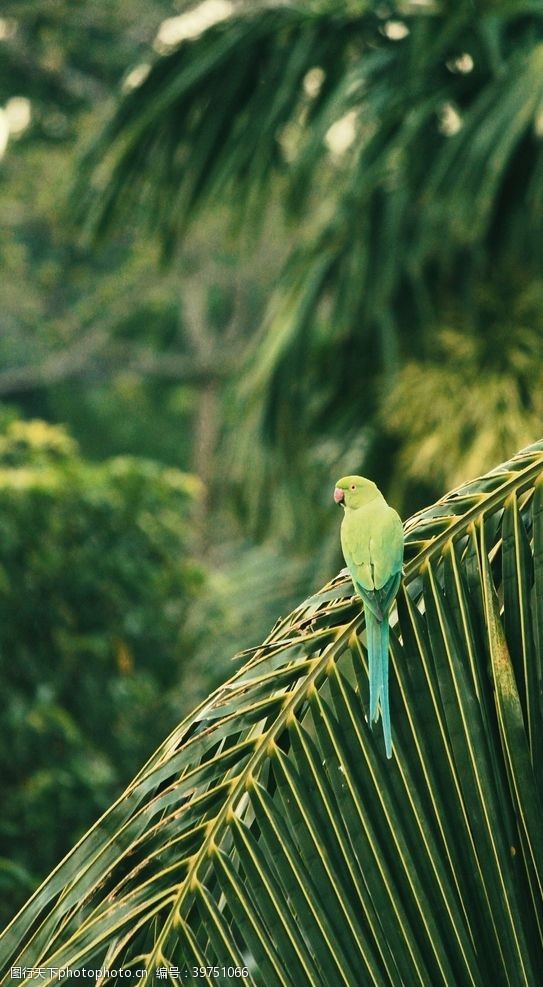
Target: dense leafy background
(95, 586)
(303, 242)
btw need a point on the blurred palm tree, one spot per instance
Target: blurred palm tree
(404, 141)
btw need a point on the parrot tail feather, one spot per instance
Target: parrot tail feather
(377, 631)
(384, 700)
(374, 648)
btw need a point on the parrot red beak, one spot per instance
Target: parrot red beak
(338, 495)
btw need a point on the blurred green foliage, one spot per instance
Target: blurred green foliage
(103, 340)
(95, 584)
(405, 141)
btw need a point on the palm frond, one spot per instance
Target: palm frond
(205, 123)
(440, 185)
(269, 833)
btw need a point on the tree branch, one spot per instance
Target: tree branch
(97, 356)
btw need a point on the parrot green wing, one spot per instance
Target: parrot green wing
(372, 542)
(386, 546)
(379, 601)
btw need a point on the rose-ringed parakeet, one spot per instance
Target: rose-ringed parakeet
(372, 543)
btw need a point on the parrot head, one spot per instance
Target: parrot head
(355, 491)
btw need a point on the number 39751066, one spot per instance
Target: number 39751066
(219, 971)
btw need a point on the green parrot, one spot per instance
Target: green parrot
(372, 543)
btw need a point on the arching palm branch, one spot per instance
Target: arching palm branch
(270, 834)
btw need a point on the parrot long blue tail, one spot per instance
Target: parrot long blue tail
(374, 662)
(385, 707)
(378, 674)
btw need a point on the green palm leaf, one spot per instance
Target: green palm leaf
(269, 833)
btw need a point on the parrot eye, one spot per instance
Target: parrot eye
(353, 486)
